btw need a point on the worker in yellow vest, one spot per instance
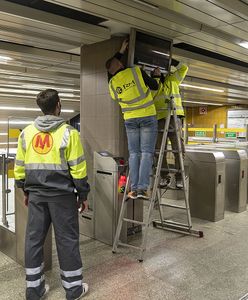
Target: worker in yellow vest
(169, 87)
(50, 167)
(131, 88)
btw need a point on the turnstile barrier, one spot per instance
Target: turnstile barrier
(206, 184)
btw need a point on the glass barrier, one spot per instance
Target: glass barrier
(7, 182)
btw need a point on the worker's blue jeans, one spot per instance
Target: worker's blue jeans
(142, 136)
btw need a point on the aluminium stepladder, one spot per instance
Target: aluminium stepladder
(156, 195)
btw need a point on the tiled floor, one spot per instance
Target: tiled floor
(176, 267)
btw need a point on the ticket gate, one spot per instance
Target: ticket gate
(107, 200)
(236, 176)
(12, 234)
(236, 145)
(206, 183)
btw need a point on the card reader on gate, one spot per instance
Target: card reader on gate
(105, 153)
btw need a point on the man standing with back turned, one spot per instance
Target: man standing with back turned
(50, 168)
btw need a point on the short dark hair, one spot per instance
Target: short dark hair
(108, 63)
(47, 101)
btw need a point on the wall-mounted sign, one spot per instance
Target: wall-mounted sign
(237, 118)
(203, 110)
(232, 135)
(200, 133)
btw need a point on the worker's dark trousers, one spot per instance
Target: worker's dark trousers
(173, 139)
(64, 216)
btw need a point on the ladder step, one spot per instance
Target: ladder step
(177, 224)
(171, 170)
(166, 151)
(180, 229)
(174, 206)
(138, 198)
(129, 246)
(169, 130)
(134, 221)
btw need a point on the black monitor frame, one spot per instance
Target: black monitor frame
(131, 46)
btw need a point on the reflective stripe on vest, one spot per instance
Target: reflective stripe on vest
(137, 107)
(143, 93)
(63, 166)
(114, 91)
(76, 161)
(135, 99)
(19, 163)
(23, 141)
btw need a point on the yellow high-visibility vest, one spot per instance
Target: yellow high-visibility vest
(50, 161)
(134, 97)
(159, 100)
(171, 88)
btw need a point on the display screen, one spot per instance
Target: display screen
(151, 51)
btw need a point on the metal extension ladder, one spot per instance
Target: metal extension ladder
(156, 196)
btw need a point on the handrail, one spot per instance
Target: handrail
(215, 131)
(208, 129)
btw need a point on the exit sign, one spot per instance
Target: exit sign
(200, 133)
(231, 135)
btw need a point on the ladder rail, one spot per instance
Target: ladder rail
(155, 186)
(121, 216)
(180, 150)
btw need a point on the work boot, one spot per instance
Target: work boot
(143, 194)
(179, 183)
(164, 182)
(132, 195)
(85, 288)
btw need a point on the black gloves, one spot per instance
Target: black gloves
(174, 62)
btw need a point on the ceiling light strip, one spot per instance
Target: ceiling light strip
(146, 4)
(203, 103)
(201, 88)
(31, 109)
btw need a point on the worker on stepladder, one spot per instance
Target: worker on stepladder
(50, 167)
(131, 88)
(169, 87)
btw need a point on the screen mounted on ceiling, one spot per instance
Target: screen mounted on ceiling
(149, 51)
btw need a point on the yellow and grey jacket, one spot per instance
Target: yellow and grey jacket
(159, 100)
(130, 90)
(50, 159)
(171, 88)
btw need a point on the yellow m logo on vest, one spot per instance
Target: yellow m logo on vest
(42, 142)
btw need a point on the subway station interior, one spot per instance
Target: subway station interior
(64, 45)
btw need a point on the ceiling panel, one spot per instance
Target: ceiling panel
(237, 7)
(241, 32)
(211, 47)
(213, 10)
(242, 25)
(189, 11)
(219, 43)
